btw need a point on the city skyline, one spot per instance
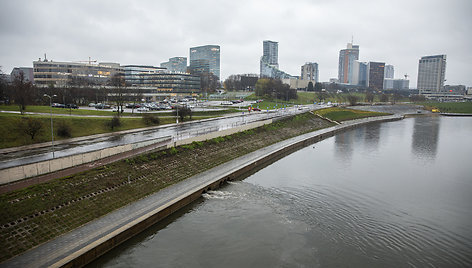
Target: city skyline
(132, 32)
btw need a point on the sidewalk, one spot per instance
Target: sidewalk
(88, 238)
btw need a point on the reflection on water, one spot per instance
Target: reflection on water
(424, 142)
(380, 210)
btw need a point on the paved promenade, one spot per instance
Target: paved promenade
(63, 249)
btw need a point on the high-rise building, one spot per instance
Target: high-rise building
(210, 53)
(389, 71)
(309, 71)
(431, 73)
(375, 75)
(346, 63)
(396, 84)
(176, 65)
(359, 73)
(269, 64)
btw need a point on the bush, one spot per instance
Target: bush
(150, 119)
(114, 122)
(63, 129)
(30, 126)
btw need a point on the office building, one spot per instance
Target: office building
(64, 74)
(309, 72)
(28, 73)
(209, 53)
(197, 67)
(431, 73)
(158, 80)
(176, 65)
(346, 63)
(269, 63)
(396, 84)
(359, 74)
(389, 71)
(375, 75)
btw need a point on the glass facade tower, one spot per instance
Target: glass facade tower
(210, 53)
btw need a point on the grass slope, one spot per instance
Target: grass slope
(344, 114)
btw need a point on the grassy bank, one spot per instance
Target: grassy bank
(34, 215)
(449, 107)
(344, 114)
(12, 135)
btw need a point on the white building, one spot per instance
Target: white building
(431, 73)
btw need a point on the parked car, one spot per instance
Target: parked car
(58, 105)
(256, 109)
(143, 109)
(72, 106)
(92, 104)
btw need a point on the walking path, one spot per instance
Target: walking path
(88, 238)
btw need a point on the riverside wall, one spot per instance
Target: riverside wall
(250, 164)
(13, 174)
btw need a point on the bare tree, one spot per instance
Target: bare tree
(30, 126)
(118, 91)
(23, 92)
(352, 100)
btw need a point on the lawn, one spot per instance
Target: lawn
(11, 134)
(344, 114)
(47, 109)
(450, 107)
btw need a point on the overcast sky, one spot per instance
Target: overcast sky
(397, 32)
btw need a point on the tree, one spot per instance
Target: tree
(352, 100)
(4, 98)
(384, 98)
(118, 91)
(310, 86)
(318, 87)
(268, 87)
(417, 98)
(322, 96)
(369, 97)
(23, 92)
(182, 112)
(396, 97)
(114, 122)
(30, 126)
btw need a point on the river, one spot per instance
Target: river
(395, 194)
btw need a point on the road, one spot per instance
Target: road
(177, 131)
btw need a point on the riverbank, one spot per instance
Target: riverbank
(89, 195)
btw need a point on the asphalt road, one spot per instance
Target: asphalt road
(177, 131)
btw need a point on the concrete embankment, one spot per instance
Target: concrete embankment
(92, 240)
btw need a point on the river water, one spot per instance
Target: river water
(395, 194)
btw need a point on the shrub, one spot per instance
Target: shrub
(30, 126)
(114, 122)
(150, 119)
(63, 129)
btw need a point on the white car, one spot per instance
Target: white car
(143, 109)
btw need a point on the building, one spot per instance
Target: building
(389, 71)
(176, 65)
(375, 75)
(158, 80)
(431, 73)
(64, 74)
(135, 74)
(458, 89)
(197, 67)
(209, 53)
(359, 74)
(269, 63)
(346, 63)
(396, 84)
(309, 72)
(28, 73)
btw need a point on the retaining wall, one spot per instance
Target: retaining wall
(13, 174)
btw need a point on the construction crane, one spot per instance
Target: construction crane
(406, 76)
(89, 61)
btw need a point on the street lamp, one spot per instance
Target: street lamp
(52, 129)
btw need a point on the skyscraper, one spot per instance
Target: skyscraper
(176, 65)
(269, 64)
(375, 75)
(309, 71)
(359, 73)
(346, 63)
(389, 71)
(431, 73)
(210, 53)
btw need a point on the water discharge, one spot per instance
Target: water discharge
(395, 194)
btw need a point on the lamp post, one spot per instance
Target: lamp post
(52, 129)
